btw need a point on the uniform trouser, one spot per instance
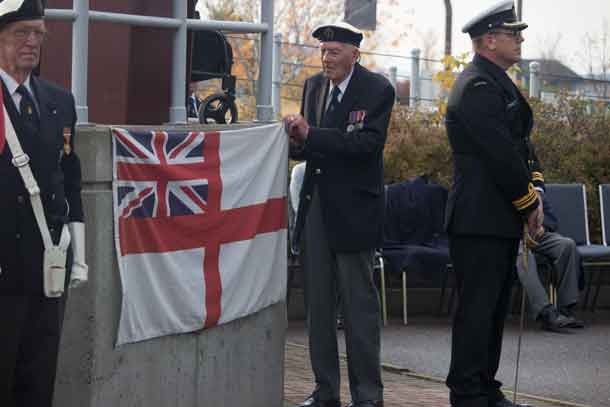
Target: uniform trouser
(351, 275)
(485, 271)
(561, 251)
(29, 345)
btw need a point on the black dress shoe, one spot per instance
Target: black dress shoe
(370, 403)
(552, 320)
(313, 401)
(507, 403)
(573, 322)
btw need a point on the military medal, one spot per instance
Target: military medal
(356, 120)
(67, 136)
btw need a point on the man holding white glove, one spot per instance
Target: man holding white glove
(42, 234)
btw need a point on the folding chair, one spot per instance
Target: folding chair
(379, 266)
(570, 204)
(415, 239)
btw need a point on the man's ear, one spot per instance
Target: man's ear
(491, 42)
(356, 55)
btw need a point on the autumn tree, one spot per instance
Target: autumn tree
(429, 44)
(596, 55)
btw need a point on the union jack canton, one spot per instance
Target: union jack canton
(160, 174)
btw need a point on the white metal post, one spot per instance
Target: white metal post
(80, 59)
(277, 75)
(177, 110)
(534, 79)
(264, 107)
(415, 79)
(394, 79)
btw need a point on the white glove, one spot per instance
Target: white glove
(80, 270)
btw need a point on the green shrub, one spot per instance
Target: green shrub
(417, 145)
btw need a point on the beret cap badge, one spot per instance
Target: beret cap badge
(328, 34)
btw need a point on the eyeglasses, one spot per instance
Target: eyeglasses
(23, 34)
(509, 33)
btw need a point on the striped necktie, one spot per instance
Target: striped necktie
(334, 99)
(328, 120)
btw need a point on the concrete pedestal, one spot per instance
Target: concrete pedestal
(236, 364)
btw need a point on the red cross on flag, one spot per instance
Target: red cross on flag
(200, 227)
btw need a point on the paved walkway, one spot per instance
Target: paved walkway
(402, 388)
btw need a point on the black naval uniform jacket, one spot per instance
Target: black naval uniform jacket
(59, 179)
(345, 159)
(495, 167)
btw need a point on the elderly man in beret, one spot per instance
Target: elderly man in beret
(36, 227)
(493, 196)
(340, 133)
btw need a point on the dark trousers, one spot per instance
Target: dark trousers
(349, 275)
(29, 345)
(485, 272)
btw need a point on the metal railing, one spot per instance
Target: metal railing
(415, 78)
(424, 93)
(81, 14)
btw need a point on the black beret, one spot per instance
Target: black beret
(18, 10)
(341, 32)
(501, 15)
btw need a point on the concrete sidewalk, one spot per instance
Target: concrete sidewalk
(402, 388)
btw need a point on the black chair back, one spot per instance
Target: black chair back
(604, 205)
(570, 206)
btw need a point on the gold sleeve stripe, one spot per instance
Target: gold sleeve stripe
(537, 176)
(527, 199)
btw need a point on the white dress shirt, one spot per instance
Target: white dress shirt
(12, 85)
(342, 86)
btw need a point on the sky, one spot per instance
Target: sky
(566, 21)
(561, 22)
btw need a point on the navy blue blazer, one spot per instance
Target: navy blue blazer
(59, 178)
